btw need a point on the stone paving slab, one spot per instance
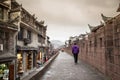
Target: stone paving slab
(64, 68)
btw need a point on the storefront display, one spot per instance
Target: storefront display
(4, 72)
(39, 59)
(29, 60)
(20, 67)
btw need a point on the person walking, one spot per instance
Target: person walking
(75, 51)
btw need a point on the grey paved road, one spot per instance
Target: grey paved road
(63, 68)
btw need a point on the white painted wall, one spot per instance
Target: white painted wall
(34, 42)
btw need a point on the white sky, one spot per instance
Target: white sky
(67, 18)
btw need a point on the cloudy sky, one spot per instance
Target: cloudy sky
(67, 18)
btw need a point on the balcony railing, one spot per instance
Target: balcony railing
(8, 25)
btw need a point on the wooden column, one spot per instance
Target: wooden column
(11, 72)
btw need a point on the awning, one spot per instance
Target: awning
(7, 57)
(26, 48)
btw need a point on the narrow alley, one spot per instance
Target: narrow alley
(64, 68)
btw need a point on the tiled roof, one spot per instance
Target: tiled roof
(94, 28)
(105, 18)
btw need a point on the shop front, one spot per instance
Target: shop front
(20, 63)
(40, 57)
(26, 61)
(7, 70)
(29, 60)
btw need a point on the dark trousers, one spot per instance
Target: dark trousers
(75, 57)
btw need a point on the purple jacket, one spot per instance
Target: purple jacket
(75, 49)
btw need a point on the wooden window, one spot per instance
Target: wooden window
(39, 38)
(29, 35)
(20, 34)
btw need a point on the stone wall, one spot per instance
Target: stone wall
(101, 48)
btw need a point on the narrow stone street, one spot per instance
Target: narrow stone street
(64, 68)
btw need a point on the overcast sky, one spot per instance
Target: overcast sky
(67, 18)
